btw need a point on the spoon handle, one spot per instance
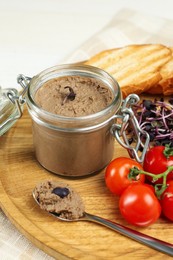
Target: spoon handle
(152, 242)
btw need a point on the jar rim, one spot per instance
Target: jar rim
(74, 70)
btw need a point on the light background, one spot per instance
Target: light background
(37, 34)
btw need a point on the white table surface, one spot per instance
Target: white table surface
(37, 34)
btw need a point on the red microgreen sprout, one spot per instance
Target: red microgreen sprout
(156, 117)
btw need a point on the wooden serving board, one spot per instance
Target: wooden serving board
(20, 172)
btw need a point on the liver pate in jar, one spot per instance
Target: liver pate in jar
(72, 107)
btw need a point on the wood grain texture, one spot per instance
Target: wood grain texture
(20, 172)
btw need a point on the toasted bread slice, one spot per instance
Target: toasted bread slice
(165, 85)
(167, 77)
(135, 67)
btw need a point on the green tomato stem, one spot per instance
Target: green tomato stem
(134, 172)
(168, 151)
(158, 176)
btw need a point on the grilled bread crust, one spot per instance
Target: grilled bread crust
(165, 85)
(137, 68)
(167, 77)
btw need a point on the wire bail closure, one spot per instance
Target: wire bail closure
(119, 130)
(12, 95)
(24, 82)
(17, 99)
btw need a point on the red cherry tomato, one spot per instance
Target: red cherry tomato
(116, 176)
(139, 205)
(156, 162)
(167, 201)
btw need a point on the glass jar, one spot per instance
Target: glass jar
(78, 146)
(73, 146)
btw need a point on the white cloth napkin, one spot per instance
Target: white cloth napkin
(127, 27)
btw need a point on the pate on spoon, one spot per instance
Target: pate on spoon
(64, 203)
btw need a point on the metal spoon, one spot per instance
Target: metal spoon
(152, 242)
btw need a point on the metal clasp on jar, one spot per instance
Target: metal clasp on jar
(17, 100)
(120, 129)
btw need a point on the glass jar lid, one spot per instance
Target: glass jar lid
(10, 110)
